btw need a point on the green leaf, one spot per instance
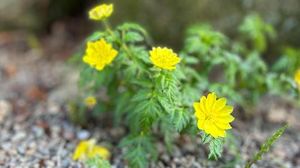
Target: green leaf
(180, 119)
(95, 36)
(215, 148)
(206, 138)
(97, 162)
(133, 37)
(138, 147)
(141, 95)
(132, 27)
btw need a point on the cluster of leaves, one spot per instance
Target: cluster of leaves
(240, 71)
(147, 99)
(150, 101)
(97, 162)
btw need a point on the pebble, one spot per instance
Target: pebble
(18, 136)
(83, 134)
(21, 149)
(165, 158)
(65, 163)
(38, 131)
(6, 146)
(5, 109)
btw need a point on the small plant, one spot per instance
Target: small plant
(266, 146)
(97, 162)
(151, 90)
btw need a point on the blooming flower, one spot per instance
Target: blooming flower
(88, 149)
(90, 101)
(213, 115)
(164, 58)
(297, 77)
(99, 54)
(101, 12)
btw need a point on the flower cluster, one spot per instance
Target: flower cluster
(150, 81)
(88, 149)
(99, 54)
(213, 115)
(164, 58)
(101, 12)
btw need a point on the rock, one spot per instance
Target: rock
(21, 149)
(83, 134)
(277, 114)
(5, 109)
(18, 136)
(165, 158)
(6, 146)
(37, 131)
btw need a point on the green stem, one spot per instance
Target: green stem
(108, 27)
(123, 45)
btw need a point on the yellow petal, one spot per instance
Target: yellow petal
(200, 124)
(225, 110)
(82, 149)
(100, 151)
(220, 104)
(222, 125)
(225, 119)
(202, 105)
(164, 58)
(99, 54)
(214, 131)
(211, 99)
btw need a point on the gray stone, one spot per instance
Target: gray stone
(83, 134)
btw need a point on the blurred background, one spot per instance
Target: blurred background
(165, 20)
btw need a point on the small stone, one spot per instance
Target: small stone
(83, 134)
(5, 109)
(65, 163)
(38, 132)
(165, 158)
(19, 136)
(21, 150)
(68, 135)
(6, 146)
(30, 151)
(50, 163)
(2, 157)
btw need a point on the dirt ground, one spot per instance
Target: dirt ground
(36, 83)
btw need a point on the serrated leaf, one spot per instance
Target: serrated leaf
(180, 119)
(133, 37)
(95, 36)
(141, 95)
(206, 138)
(138, 149)
(215, 148)
(97, 162)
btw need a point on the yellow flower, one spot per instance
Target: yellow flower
(101, 12)
(88, 149)
(213, 115)
(90, 101)
(297, 77)
(164, 58)
(99, 54)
